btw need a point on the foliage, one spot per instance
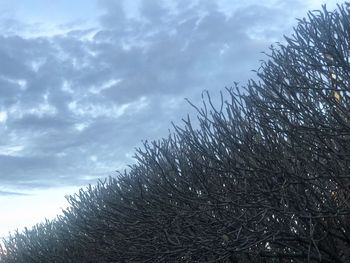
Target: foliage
(264, 179)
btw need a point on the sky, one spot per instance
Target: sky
(84, 82)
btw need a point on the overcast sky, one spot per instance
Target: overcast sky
(83, 82)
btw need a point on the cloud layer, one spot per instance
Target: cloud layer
(73, 105)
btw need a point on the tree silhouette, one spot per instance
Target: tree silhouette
(265, 177)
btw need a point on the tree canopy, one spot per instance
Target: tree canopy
(265, 177)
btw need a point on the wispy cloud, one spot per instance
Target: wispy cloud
(7, 193)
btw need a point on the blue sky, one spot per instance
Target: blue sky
(83, 82)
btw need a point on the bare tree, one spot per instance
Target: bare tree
(264, 179)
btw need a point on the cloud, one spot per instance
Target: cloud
(75, 104)
(8, 193)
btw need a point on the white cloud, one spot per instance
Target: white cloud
(12, 150)
(3, 116)
(81, 126)
(96, 89)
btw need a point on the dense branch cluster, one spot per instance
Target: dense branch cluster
(264, 179)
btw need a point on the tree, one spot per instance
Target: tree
(264, 179)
